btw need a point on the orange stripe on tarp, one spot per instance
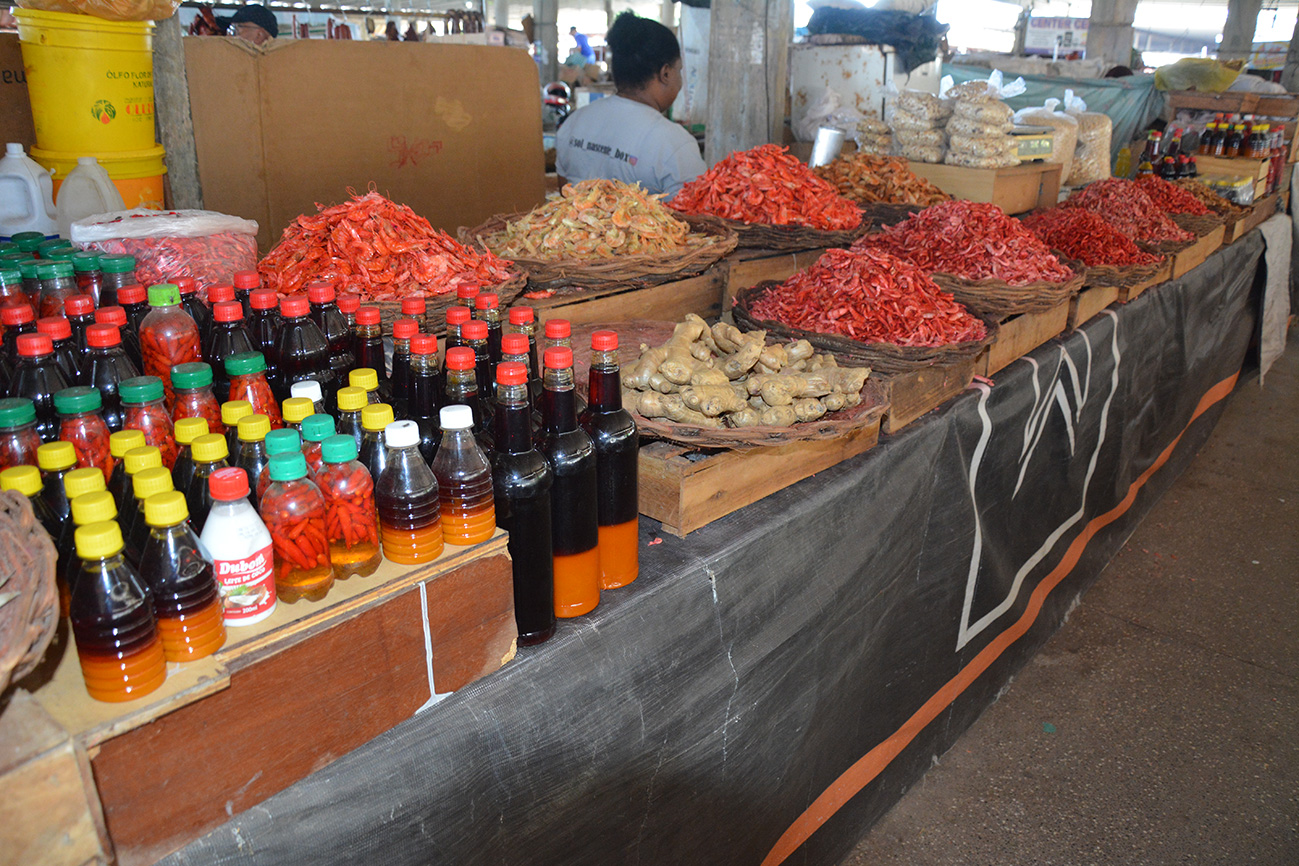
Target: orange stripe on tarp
(870, 765)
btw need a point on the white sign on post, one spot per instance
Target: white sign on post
(1046, 35)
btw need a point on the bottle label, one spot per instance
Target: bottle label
(247, 586)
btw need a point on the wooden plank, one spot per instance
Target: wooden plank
(687, 490)
(748, 78)
(1165, 273)
(918, 392)
(1194, 255)
(1088, 303)
(750, 267)
(175, 125)
(666, 302)
(1020, 335)
(1016, 189)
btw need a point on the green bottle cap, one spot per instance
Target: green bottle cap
(10, 275)
(245, 363)
(194, 374)
(62, 254)
(45, 270)
(336, 449)
(114, 264)
(17, 411)
(282, 442)
(15, 257)
(30, 269)
(141, 389)
(83, 262)
(318, 428)
(44, 248)
(77, 399)
(164, 295)
(28, 241)
(288, 466)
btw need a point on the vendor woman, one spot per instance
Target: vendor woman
(626, 137)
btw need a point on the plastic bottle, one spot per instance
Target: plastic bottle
(191, 303)
(367, 379)
(351, 521)
(29, 269)
(18, 437)
(65, 348)
(107, 366)
(145, 483)
(238, 545)
(210, 453)
(232, 411)
(375, 418)
(248, 381)
(229, 340)
(79, 310)
(474, 335)
(294, 511)
(301, 350)
(521, 483)
(245, 283)
(86, 191)
(119, 443)
(186, 430)
(455, 318)
(514, 350)
(26, 195)
(487, 307)
(462, 389)
(367, 349)
(465, 295)
(11, 286)
(194, 398)
(55, 460)
(402, 331)
(90, 279)
(76, 483)
(28, 241)
(143, 410)
(406, 496)
(27, 481)
(348, 305)
(116, 316)
(417, 309)
(574, 500)
(168, 336)
(310, 389)
(315, 430)
(334, 325)
(251, 455)
(350, 403)
(277, 442)
(264, 322)
(87, 508)
(134, 300)
(295, 410)
(426, 392)
(559, 332)
(58, 282)
(464, 481)
(17, 320)
(118, 273)
(113, 621)
(186, 599)
(135, 461)
(38, 377)
(82, 424)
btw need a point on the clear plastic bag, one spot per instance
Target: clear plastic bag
(1065, 133)
(973, 128)
(919, 104)
(991, 111)
(970, 161)
(907, 120)
(921, 137)
(985, 146)
(1091, 160)
(109, 10)
(994, 86)
(922, 154)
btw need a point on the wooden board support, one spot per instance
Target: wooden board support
(916, 393)
(749, 267)
(1194, 255)
(175, 125)
(1088, 303)
(1021, 188)
(748, 78)
(1129, 293)
(1020, 335)
(667, 302)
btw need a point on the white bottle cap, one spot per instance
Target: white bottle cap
(309, 388)
(456, 417)
(401, 434)
(13, 148)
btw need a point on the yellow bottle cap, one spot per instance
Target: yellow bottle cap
(376, 416)
(98, 540)
(79, 482)
(253, 428)
(25, 479)
(233, 410)
(165, 509)
(93, 507)
(53, 456)
(145, 457)
(189, 429)
(295, 409)
(209, 448)
(147, 482)
(124, 440)
(350, 399)
(363, 377)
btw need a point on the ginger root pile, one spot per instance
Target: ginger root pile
(722, 377)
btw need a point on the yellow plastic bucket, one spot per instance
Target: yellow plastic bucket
(136, 174)
(90, 81)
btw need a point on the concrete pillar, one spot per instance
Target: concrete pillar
(1290, 74)
(668, 14)
(1109, 31)
(1238, 32)
(501, 14)
(545, 13)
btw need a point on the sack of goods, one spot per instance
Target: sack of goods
(1064, 133)
(874, 137)
(1091, 161)
(977, 131)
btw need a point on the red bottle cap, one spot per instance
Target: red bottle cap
(187, 285)
(522, 316)
(294, 306)
(133, 294)
(558, 329)
(228, 484)
(247, 280)
(31, 345)
(404, 329)
(413, 306)
(78, 305)
(110, 316)
(228, 311)
(320, 293)
(217, 294)
(20, 314)
(488, 301)
(458, 315)
(264, 299)
(368, 315)
(466, 293)
(474, 329)
(604, 341)
(55, 327)
(514, 344)
(558, 358)
(423, 344)
(349, 303)
(511, 373)
(458, 358)
(102, 335)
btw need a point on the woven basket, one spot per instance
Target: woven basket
(435, 306)
(884, 358)
(1200, 224)
(28, 618)
(998, 298)
(710, 240)
(832, 425)
(1121, 276)
(791, 239)
(882, 214)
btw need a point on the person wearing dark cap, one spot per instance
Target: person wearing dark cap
(255, 23)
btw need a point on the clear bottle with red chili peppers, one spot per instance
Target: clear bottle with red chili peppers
(315, 430)
(90, 279)
(187, 430)
(351, 521)
(65, 348)
(402, 331)
(264, 322)
(302, 351)
(367, 349)
(251, 454)
(426, 392)
(168, 336)
(210, 454)
(245, 283)
(144, 410)
(277, 442)
(57, 284)
(487, 307)
(247, 374)
(294, 512)
(228, 340)
(81, 423)
(18, 437)
(38, 377)
(29, 268)
(334, 325)
(11, 286)
(107, 366)
(118, 273)
(194, 397)
(116, 316)
(193, 304)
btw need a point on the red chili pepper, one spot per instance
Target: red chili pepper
(162, 351)
(1126, 207)
(211, 260)
(294, 513)
(200, 403)
(1086, 236)
(152, 420)
(1169, 197)
(254, 388)
(89, 437)
(18, 448)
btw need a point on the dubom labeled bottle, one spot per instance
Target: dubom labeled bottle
(240, 550)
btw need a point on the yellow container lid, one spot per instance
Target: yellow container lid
(79, 482)
(93, 507)
(363, 377)
(376, 416)
(253, 428)
(295, 409)
(189, 429)
(209, 448)
(144, 457)
(53, 456)
(350, 399)
(98, 540)
(165, 509)
(25, 479)
(233, 410)
(147, 482)
(124, 440)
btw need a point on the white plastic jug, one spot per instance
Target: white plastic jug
(26, 195)
(86, 191)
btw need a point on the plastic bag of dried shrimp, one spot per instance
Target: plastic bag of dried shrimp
(1095, 133)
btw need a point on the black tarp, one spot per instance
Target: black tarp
(827, 642)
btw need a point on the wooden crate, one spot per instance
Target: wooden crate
(1229, 102)
(1219, 166)
(920, 391)
(1194, 255)
(1260, 212)
(666, 302)
(685, 489)
(287, 696)
(1088, 303)
(749, 267)
(1129, 293)
(1018, 189)
(1020, 335)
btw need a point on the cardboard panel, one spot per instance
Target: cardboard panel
(15, 107)
(453, 131)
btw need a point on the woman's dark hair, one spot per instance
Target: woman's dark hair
(640, 47)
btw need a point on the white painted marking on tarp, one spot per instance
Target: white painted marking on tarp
(434, 697)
